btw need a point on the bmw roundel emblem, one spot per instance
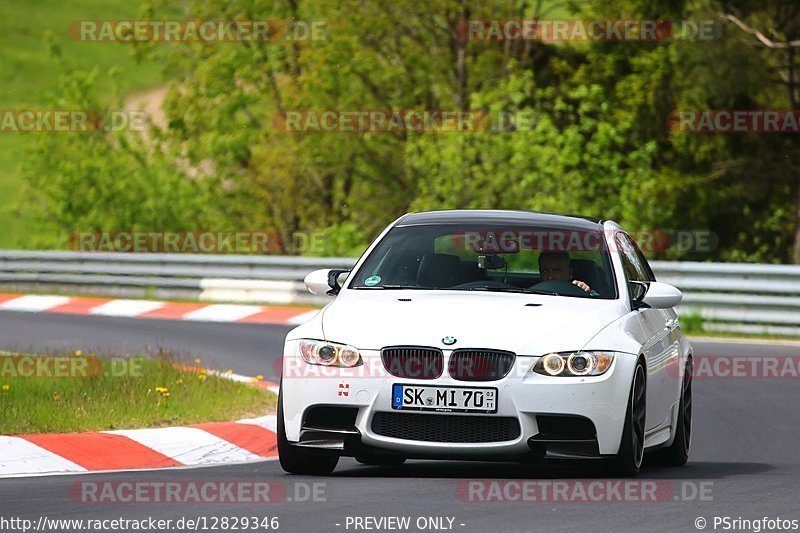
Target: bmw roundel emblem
(449, 340)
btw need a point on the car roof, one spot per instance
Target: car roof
(501, 217)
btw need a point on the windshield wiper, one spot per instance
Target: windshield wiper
(506, 289)
(540, 291)
(487, 289)
(390, 287)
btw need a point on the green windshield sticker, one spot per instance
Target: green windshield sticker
(372, 280)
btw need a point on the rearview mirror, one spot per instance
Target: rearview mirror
(491, 262)
(324, 281)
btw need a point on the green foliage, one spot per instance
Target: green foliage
(108, 180)
(595, 137)
(344, 240)
(28, 72)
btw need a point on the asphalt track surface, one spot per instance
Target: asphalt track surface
(744, 461)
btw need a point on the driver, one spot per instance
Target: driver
(555, 266)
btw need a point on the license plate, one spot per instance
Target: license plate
(444, 399)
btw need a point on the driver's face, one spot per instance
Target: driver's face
(553, 268)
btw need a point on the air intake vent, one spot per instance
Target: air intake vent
(480, 365)
(446, 428)
(413, 362)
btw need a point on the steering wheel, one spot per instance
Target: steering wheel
(561, 287)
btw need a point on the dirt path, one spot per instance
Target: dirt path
(151, 101)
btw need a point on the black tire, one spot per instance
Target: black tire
(372, 460)
(631, 448)
(296, 460)
(678, 452)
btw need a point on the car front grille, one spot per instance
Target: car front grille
(480, 365)
(415, 362)
(446, 428)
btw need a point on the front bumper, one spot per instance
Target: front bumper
(522, 395)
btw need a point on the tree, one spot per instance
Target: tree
(783, 19)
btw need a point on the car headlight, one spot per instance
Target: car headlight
(587, 363)
(329, 354)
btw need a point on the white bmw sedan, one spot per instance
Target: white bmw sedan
(489, 335)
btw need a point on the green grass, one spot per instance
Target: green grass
(115, 393)
(727, 335)
(28, 72)
(692, 325)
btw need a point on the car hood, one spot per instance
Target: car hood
(521, 323)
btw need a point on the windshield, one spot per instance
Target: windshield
(554, 261)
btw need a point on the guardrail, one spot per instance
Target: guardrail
(737, 297)
(239, 278)
(725, 296)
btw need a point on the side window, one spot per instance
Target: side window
(636, 268)
(643, 261)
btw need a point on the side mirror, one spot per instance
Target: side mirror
(638, 290)
(662, 295)
(324, 281)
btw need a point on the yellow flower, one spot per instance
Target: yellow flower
(6, 387)
(56, 397)
(78, 353)
(229, 372)
(161, 389)
(201, 376)
(179, 381)
(259, 377)
(197, 361)
(166, 394)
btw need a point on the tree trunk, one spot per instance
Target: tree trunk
(461, 58)
(794, 100)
